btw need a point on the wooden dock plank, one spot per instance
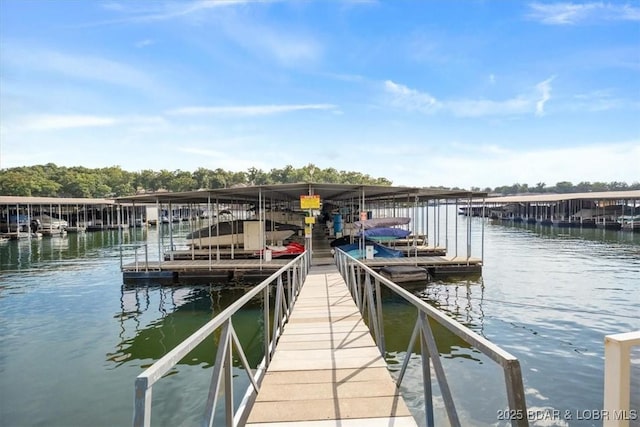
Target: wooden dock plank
(326, 368)
(360, 422)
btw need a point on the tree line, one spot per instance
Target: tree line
(562, 187)
(51, 180)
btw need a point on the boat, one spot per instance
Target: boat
(384, 234)
(382, 222)
(49, 225)
(630, 223)
(291, 250)
(379, 251)
(231, 233)
(47, 221)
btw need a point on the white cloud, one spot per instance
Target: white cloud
(201, 152)
(45, 122)
(85, 67)
(484, 107)
(599, 100)
(51, 122)
(249, 110)
(574, 13)
(545, 94)
(289, 46)
(409, 99)
(605, 162)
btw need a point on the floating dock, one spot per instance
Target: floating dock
(247, 269)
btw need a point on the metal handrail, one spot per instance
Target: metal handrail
(135, 247)
(364, 285)
(296, 272)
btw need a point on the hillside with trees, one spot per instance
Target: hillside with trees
(51, 180)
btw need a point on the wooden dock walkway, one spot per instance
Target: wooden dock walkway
(326, 370)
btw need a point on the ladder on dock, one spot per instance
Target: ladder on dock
(326, 366)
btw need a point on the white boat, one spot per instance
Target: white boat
(382, 222)
(47, 222)
(232, 233)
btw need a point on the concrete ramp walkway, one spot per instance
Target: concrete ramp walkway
(326, 370)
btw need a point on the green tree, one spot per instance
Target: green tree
(564, 187)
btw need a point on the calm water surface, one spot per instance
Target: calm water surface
(73, 339)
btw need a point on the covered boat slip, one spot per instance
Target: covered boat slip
(75, 214)
(617, 210)
(355, 202)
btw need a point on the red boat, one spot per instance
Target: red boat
(292, 250)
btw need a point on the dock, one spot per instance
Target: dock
(326, 368)
(240, 269)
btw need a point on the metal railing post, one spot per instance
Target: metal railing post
(428, 348)
(142, 403)
(617, 376)
(515, 393)
(228, 343)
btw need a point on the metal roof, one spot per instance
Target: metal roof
(541, 198)
(292, 192)
(22, 200)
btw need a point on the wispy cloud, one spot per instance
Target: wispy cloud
(410, 99)
(401, 96)
(249, 110)
(545, 94)
(47, 122)
(600, 100)
(143, 43)
(75, 66)
(132, 12)
(290, 46)
(575, 13)
(201, 152)
(485, 107)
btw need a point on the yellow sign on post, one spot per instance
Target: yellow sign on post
(310, 202)
(309, 220)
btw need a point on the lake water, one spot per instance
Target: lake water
(73, 338)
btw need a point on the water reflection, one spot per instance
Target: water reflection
(154, 320)
(57, 252)
(400, 317)
(593, 234)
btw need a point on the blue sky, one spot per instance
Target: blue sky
(454, 93)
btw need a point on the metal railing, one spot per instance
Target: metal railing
(139, 265)
(296, 272)
(365, 286)
(617, 378)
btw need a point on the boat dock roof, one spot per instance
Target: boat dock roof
(292, 192)
(542, 198)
